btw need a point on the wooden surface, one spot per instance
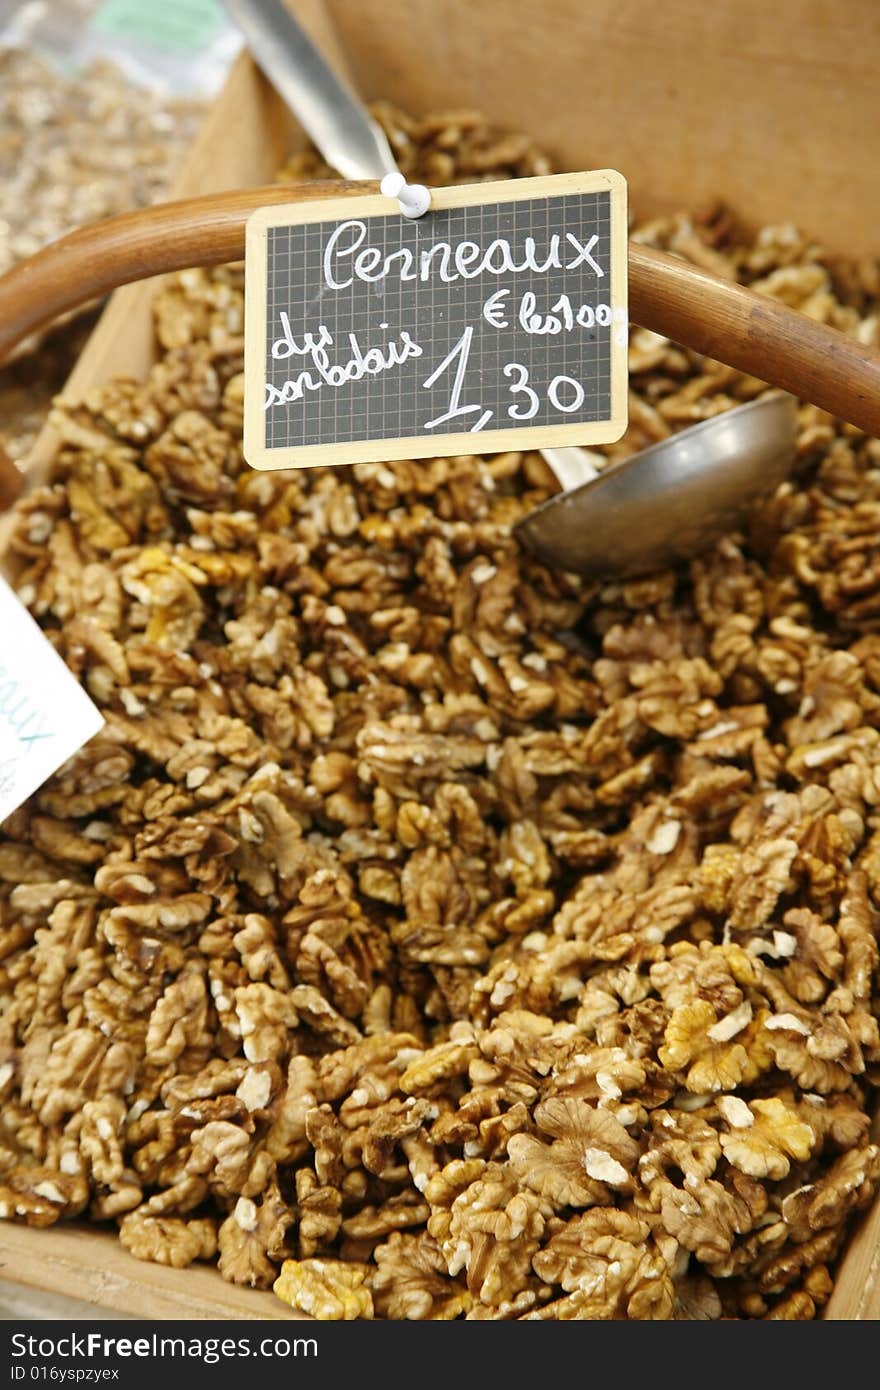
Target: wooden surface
(856, 1295)
(93, 1266)
(18, 1303)
(770, 104)
(590, 112)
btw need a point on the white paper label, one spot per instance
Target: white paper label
(45, 715)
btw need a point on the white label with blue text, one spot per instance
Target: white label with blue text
(45, 715)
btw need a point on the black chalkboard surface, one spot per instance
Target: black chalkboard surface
(497, 320)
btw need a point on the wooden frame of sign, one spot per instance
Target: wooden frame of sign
(559, 328)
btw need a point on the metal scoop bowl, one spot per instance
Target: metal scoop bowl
(670, 501)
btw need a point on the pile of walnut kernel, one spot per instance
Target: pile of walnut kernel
(481, 943)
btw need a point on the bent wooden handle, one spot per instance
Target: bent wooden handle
(747, 331)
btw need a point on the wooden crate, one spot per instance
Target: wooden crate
(622, 83)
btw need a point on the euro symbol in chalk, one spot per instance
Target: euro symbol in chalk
(493, 309)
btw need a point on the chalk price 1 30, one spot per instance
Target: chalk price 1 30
(564, 393)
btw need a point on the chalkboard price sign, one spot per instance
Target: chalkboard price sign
(498, 320)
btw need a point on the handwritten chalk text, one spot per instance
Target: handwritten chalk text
(370, 361)
(465, 260)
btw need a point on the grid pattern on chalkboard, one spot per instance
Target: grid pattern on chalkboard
(395, 403)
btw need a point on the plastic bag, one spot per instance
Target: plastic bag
(176, 47)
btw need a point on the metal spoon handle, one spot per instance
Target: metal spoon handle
(325, 106)
(570, 466)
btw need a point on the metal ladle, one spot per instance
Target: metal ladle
(671, 500)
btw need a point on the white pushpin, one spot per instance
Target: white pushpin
(414, 198)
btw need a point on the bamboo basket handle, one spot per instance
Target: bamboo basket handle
(723, 320)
